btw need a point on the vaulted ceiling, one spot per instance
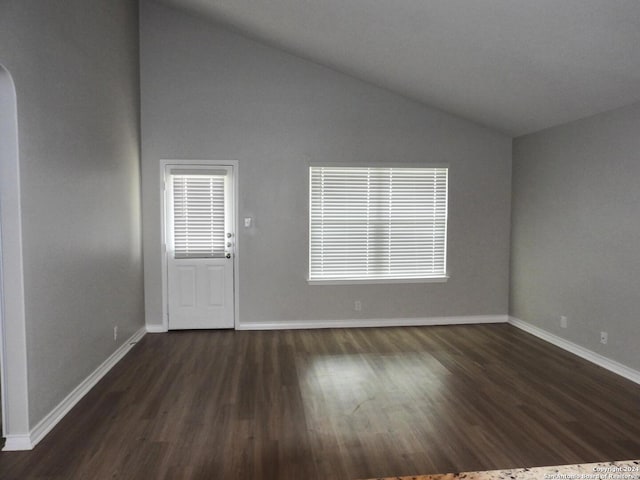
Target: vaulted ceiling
(515, 65)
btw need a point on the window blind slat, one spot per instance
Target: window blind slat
(377, 223)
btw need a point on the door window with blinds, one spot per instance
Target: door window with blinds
(198, 214)
(377, 224)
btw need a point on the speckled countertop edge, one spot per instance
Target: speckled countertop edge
(624, 470)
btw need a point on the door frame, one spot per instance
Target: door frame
(165, 164)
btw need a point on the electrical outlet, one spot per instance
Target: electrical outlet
(604, 338)
(357, 305)
(115, 333)
(563, 321)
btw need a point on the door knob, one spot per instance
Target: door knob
(228, 255)
(229, 235)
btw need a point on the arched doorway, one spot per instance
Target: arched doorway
(13, 348)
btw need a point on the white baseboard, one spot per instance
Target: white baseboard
(156, 329)
(28, 442)
(373, 322)
(593, 357)
(14, 443)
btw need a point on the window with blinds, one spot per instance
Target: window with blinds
(376, 224)
(198, 215)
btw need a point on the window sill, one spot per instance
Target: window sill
(375, 281)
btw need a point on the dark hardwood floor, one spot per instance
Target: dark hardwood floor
(338, 404)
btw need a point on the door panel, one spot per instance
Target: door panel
(187, 286)
(199, 221)
(216, 285)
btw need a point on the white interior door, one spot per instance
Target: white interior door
(200, 240)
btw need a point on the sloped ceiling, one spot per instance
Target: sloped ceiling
(515, 65)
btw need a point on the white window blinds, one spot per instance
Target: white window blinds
(377, 223)
(198, 215)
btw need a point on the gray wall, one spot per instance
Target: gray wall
(576, 233)
(75, 67)
(211, 94)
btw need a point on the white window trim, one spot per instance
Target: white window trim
(377, 281)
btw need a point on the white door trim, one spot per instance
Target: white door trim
(13, 343)
(163, 247)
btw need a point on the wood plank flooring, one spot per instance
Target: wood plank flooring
(338, 404)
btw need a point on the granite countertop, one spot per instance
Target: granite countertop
(626, 470)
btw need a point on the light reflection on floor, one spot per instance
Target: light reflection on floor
(367, 391)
